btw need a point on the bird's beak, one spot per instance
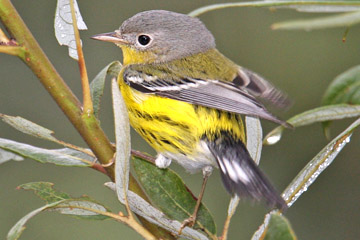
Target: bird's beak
(113, 37)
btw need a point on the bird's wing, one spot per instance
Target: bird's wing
(205, 92)
(259, 87)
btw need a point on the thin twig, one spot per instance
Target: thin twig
(87, 102)
(232, 208)
(119, 217)
(11, 50)
(77, 148)
(142, 155)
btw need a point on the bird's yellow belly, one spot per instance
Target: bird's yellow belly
(174, 126)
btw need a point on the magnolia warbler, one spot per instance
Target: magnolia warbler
(185, 99)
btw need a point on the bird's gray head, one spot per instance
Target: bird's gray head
(168, 35)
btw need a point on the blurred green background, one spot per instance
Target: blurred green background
(301, 63)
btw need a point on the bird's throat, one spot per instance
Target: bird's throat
(133, 56)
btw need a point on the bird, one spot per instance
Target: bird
(186, 99)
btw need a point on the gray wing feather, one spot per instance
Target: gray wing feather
(210, 93)
(218, 95)
(259, 87)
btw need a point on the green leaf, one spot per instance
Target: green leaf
(341, 20)
(345, 88)
(169, 193)
(83, 207)
(7, 156)
(320, 114)
(97, 84)
(62, 157)
(45, 191)
(279, 229)
(317, 165)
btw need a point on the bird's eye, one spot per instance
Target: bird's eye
(144, 39)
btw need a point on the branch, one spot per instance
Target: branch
(87, 125)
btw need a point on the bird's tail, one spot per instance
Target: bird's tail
(239, 172)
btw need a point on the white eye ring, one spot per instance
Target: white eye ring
(143, 40)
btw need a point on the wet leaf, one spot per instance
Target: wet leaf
(317, 165)
(320, 114)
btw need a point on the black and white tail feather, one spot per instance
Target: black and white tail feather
(240, 174)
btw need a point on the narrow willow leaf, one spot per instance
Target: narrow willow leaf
(275, 227)
(345, 88)
(64, 30)
(320, 114)
(318, 164)
(123, 147)
(7, 156)
(35, 130)
(142, 208)
(97, 84)
(77, 154)
(254, 137)
(341, 20)
(16, 231)
(168, 192)
(312, 6)
(28, 127)
(43, 155)
(83, 207)
(234, 202)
